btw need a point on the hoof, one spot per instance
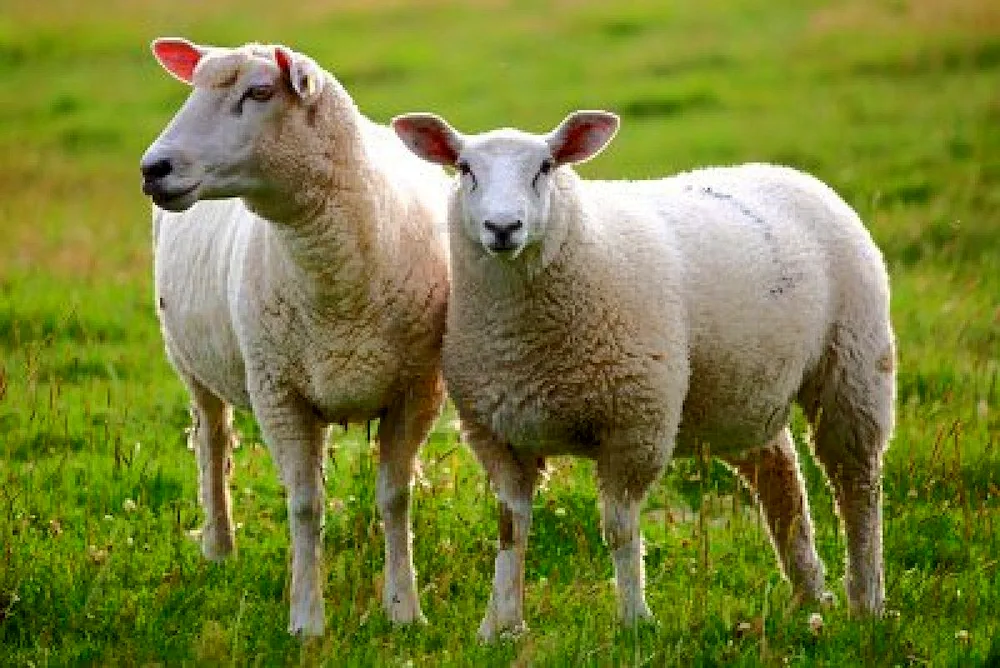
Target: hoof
(306, 628)
(306, 619)
(217, 548)
(639, 617)
(402, 610)
(407, 617)
(492, 630)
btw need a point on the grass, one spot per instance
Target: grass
(893, 102)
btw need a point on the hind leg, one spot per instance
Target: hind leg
(849, 404)
(212, 438)
(772, 473)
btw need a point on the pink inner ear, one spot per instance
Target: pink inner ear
(582, 139)
(177, 56)
(284, 59)
(428, 140)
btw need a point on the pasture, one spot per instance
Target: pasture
(895, 103)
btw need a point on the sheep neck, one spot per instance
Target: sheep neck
(325, 219)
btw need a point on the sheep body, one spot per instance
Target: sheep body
(745, 267)
(375, 328)
(653, 318)
(316, 295)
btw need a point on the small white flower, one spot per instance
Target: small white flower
(815, 623)
(560, 512)
(129, 506)
(108, 518)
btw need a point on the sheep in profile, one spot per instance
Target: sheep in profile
(630, 321)
(315, 294)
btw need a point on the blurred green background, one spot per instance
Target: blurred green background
(895, 103)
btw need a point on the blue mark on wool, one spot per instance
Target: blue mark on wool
(787, 279)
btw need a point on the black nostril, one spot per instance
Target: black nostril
(157, 170)
(502, 229)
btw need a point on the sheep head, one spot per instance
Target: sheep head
(506, 175)
(223, 141)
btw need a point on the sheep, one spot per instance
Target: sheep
(627, 322)
(301, 271)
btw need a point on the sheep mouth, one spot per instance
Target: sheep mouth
(164, 198)
(503, 248)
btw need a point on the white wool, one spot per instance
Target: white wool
(630, 321)
(314, 295)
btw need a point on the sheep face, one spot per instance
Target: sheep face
(506, 175)
(213, 147)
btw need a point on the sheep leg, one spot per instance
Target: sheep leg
(621, 533)
(849, 403)
(772, 473)
(212, 438)
(514, 483)
(857, 487)
(295, 436)
(505, 611)
(401, 431)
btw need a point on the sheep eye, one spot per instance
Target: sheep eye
(259, 93)
(464, 169)
(544, 169)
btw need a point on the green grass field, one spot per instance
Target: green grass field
(895, 103)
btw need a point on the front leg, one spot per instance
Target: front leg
(402, 430)
(621, 533)
(514, 483)
(630, 462)
(295, 436)
(505, 611)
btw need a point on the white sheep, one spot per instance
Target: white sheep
(628, 321)
(316, 295)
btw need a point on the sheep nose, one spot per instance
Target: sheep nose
(502, 230)
(157, 169)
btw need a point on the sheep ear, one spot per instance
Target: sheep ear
(302, 72)
(430, 137)
(582, 135)
(177, 56)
